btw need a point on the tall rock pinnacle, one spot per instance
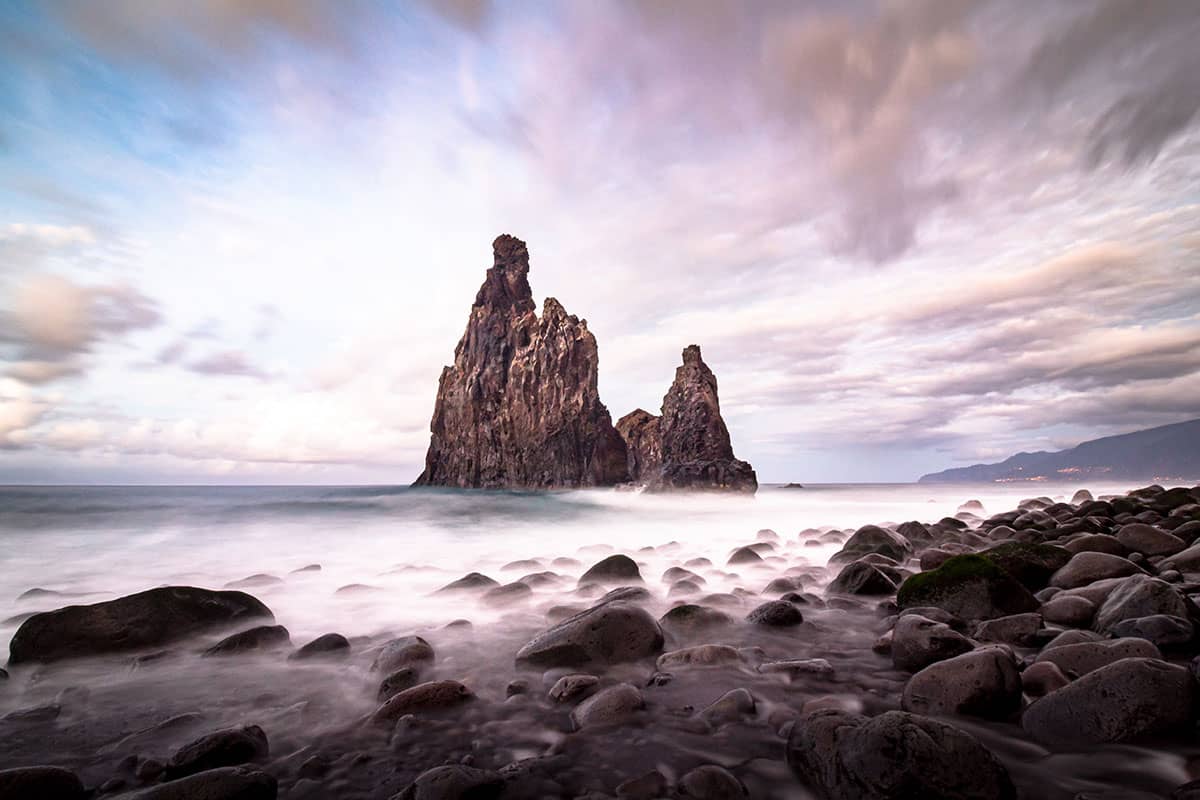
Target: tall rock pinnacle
(688, 446)
(519, 408)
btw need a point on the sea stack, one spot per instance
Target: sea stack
(688, 446)
(519, 408)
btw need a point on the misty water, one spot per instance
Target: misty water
(383, 553)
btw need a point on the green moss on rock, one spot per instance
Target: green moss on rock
(1029, 562)
(971, 586)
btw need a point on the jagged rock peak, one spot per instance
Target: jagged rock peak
(687, 447)
(519, 408)
(507, 282)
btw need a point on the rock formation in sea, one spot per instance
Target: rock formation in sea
(688, 446)
(519, 408)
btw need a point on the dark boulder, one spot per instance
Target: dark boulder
(472, 581)
(432, 696)
(35, 783)
(454, 782)
(263, 637)
(861, 577)
(329, 645)
(982, 683)
(843, 756)
(406, 651)
(1123, 701)
(146, 619)
(225, 783)
(614, 569)
(874, 539)
(224, 748)
(606, 634)
(776, 614)
(969, 586)
(1031, 563)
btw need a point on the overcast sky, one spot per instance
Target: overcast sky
(238, 240)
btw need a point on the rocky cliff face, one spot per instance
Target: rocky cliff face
(688, 446)
(640, 431)
(519, 408)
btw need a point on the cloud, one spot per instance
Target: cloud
(53, 321)
(227, 362)
(19, 411)
(1145, 51)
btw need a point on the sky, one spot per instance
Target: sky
(240, 238)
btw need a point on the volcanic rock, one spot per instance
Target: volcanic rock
(146, 619)
(693, 439)
(519, 408)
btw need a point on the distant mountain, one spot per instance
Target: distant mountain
(1155, 454)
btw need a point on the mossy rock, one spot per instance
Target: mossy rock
(1030, 563)
(970, 586)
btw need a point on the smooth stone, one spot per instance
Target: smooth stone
(1096, 543)
(472, 581)
(429, 696)
(874, 539)
(1120, 702)
(224, 783)
(224, 748)
(968, 586)
(454, 782)
(146, 619)
(254, 581)
(307, 568)
(776, 614)
(263, 637)
(1186, 560)
(614, 569)
(1016, 629)
(1089, 567)
(781, 586)
(982, 683)
(508, 593)
(860, 577)
(733, 706)
(606, 634)
(844, 756)
(523, 565)
(799, 666)
(650, 786)
(691, 619)
(573, 687)
(675, 574)
(1149, 540)
(711, 782)
(35, 783)
(1041, 678)
(1069, 610)
(918, 642)
(329, 645)
(397, 682)
(1030, 563)
(701, 655)
(1139, 596)
(608, 706)
(406, 651)
(744, 555)
(1084, 657)
(1163, 630)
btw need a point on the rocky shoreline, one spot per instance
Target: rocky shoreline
(1043, 652)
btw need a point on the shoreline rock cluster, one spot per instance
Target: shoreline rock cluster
(948, 660)
(520, 409)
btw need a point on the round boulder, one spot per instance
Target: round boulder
(38, 782)
(1089, 567)
(606, 634)
(776, 614)
(839, 755)
(918, 642)
(981, 683)
(614, 569)
(608, 706)
(146, 619)
(1127, 699)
